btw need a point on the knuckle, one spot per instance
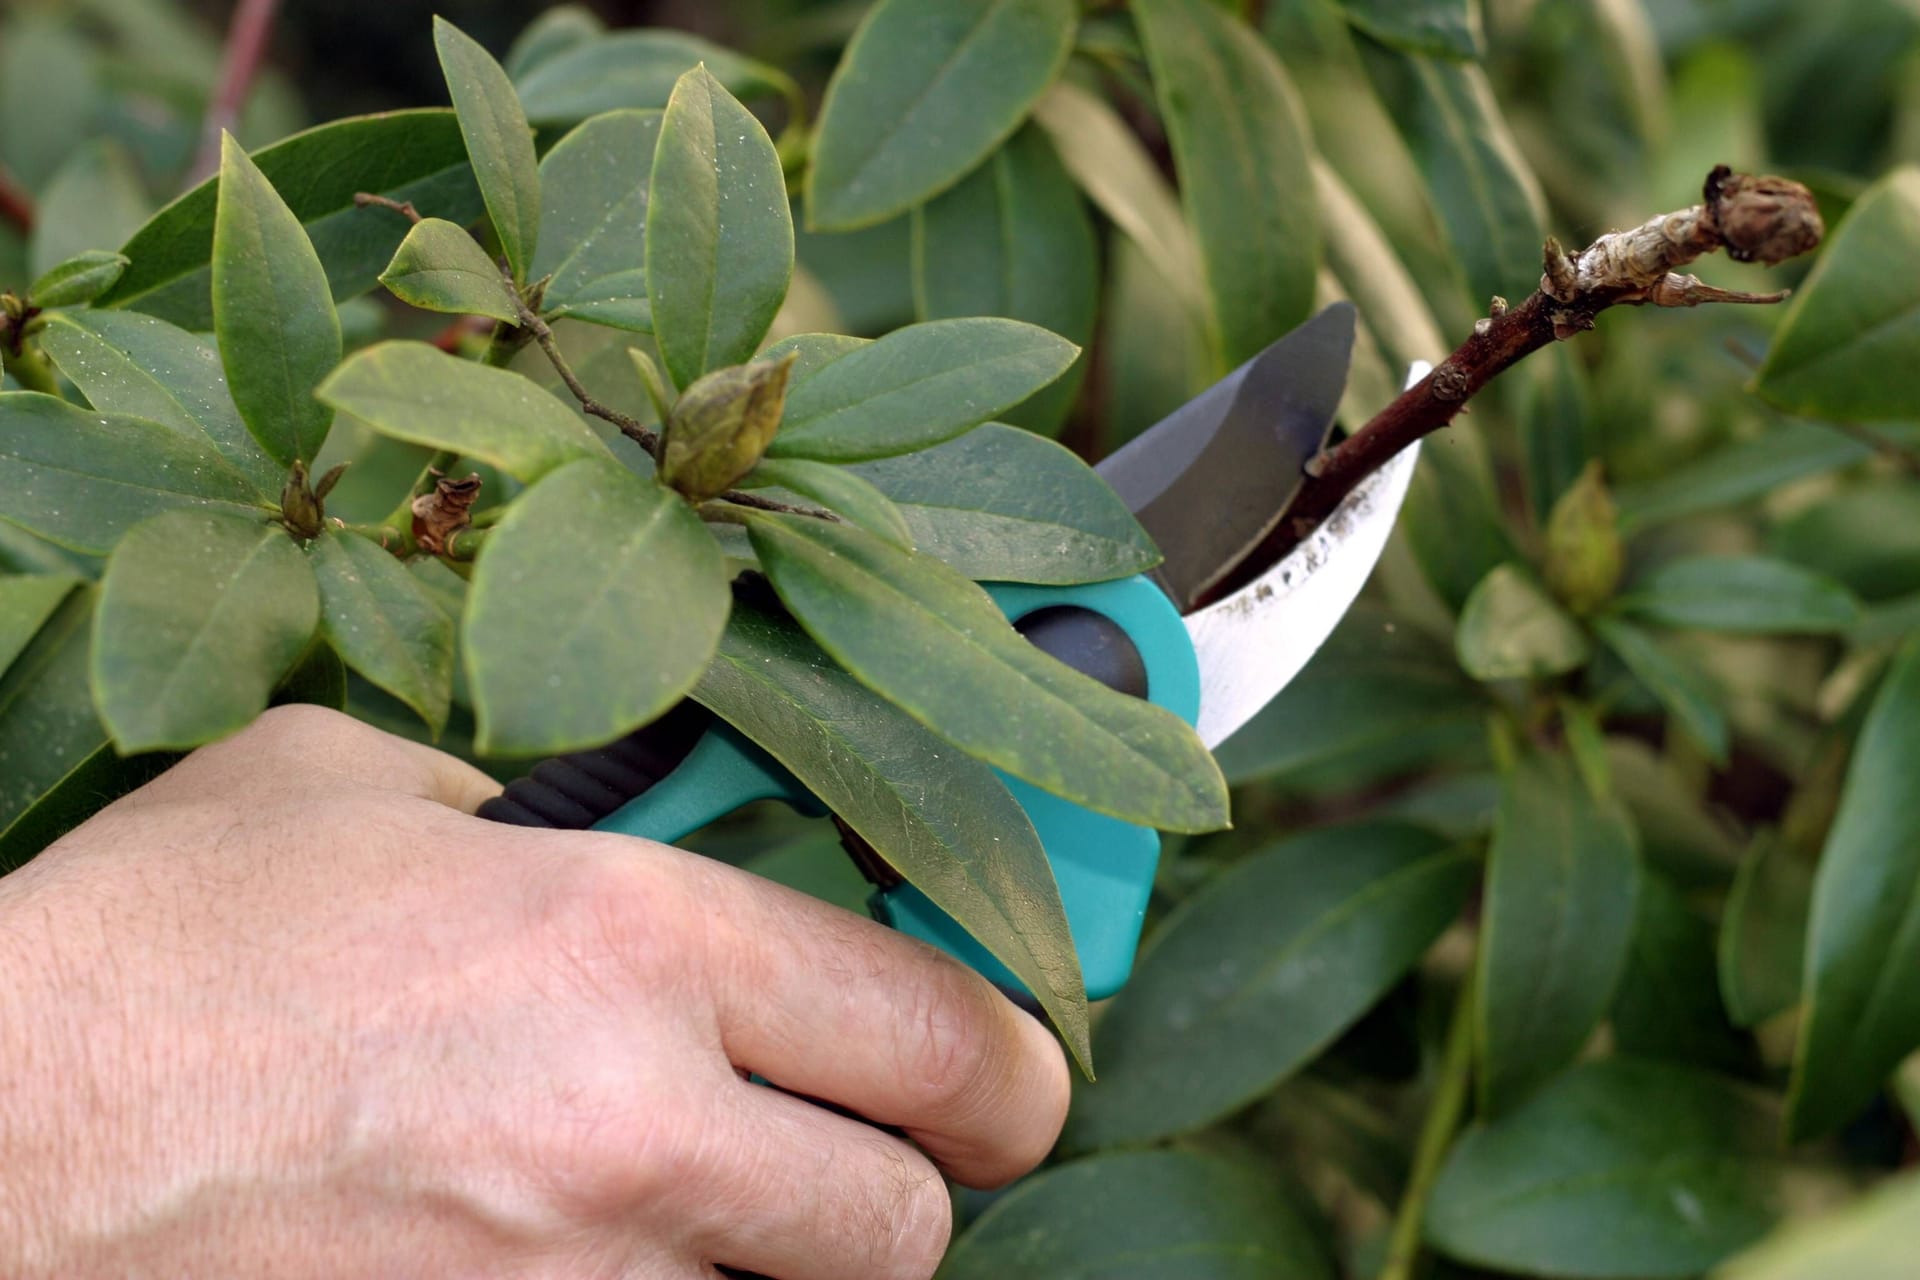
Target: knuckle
(947, 1054)
(908, 1220)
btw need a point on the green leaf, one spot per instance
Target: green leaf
(1848, 344)
(812, 352)
(554, 32)
(439, 267)
(93, 203)
(411, 391)
(1668, 1005)
(410, 156)
(1111, 165)
(917, 387)
(1738, 473)
(629, 69)
(1862, 1014)
(49, 74)
(1253, 976)
(1511, 629)
(1000, 504)
(1488, 201)
(499, 143)
(1014, 240)
(26, 602)
(1741, 593)
(78, 280)
(925, 91)
(128, 363)
(595, 607)
(593, 241)
(100, 777)
(81, 479)
(1144, 1215)
(381, 621)
(1617, 1169)
(1865, 536)
(272, 311)
(1378, 700)
(944, 821)
(47, 721)
(200, 615)
(1686, 691)
(837, 489)
(719, 237)
(1453, 522)
(1562, 877)
(1241, 148)
(1763, 931)
(891, 618)
(1869, 1239)
(1444, 28)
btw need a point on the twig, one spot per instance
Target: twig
(16, 206)
(364, 199)
(1763, 219)
(1449, 1102)
(239, 64)
(741, 498)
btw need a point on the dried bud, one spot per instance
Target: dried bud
(721, 425)
(1763, 218)
(299, 508)
(1584, 552)
(444, 511)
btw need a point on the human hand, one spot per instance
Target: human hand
(289, 1011)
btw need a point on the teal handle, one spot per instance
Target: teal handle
(1104, 867)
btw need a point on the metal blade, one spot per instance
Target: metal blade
(1209, 479)
(1253, 642)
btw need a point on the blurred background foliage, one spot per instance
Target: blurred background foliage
(1506, 967)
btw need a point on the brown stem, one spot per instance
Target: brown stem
(742, 498)
(16, 206)
(632, 428)
(363, 199)
(1763, 219)
(239, 63)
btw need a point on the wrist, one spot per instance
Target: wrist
(30, 1149)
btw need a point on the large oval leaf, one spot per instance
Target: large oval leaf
(594, 608)
(1488, 200)
(593, 226)
(1763, 931)
(1668, 1004)
(1448, 28)
(934, 643)
(126, 362)
(95, 201)
(1000, 504)
(411, 391)
(1240, 146)
(1256, 973)
(81, 479)
(1871, 1239)
(1013, 240)
(382, 622)
(1850, 339)
(1511, 629)
(1741, 593)
(1148, 1215)
(1617, 1169)
(924, 91)
(1562, 877)
(272, 311)
(412, 156)
(200, 615)
(719, 242)
(1863, 934)
(837, 489)
(917, 387)
(26, 602)
(499, 144)
(629, 69)
(945, 822)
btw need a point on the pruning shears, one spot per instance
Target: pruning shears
(1209, 482)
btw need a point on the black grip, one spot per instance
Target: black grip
(577, 790)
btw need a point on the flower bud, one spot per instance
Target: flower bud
(1584, 552)
(721, 425)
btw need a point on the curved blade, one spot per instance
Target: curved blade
(1255, 641)
(1209, 479)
